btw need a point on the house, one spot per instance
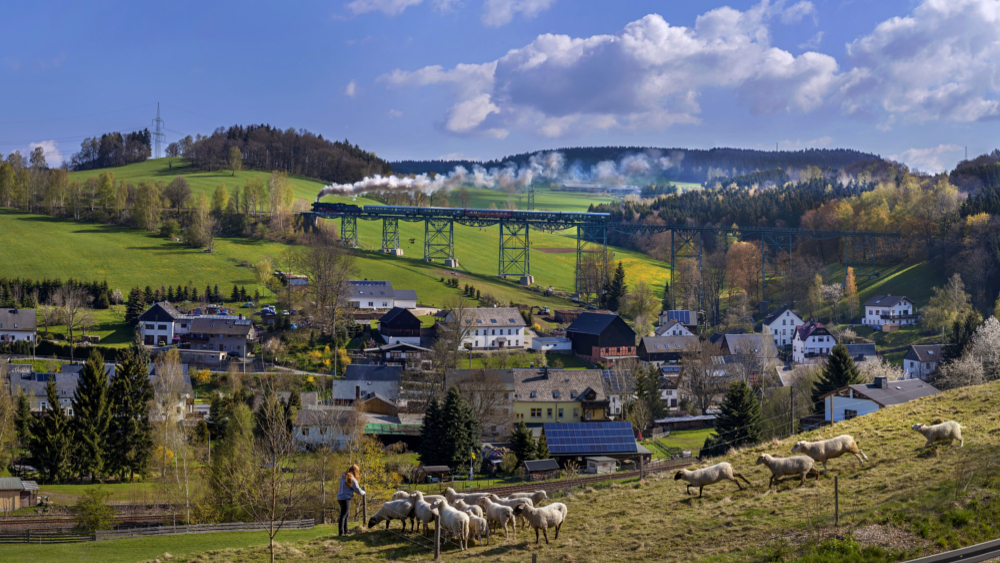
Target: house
(15, 493)
(491, 391)
(156, 324)
(688, 319)
(370, 294)
(558, 395)
(602, 338)
(222, 334)
(299, 282)
(656, 350)
(858, 400)
(17, 324)
(362, 382)
(921, 360)
(541, 469)
(402, 354)
(673, 328)
(399, 325)
(781, 326)
(893, 310)
(812, 343)
(551, 344)
(861, 352)
(490, 328)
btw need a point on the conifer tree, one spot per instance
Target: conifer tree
(459, 430)
(148, 294)
(23, 419)
(130, 430)
(522, 442)
(135, 306)
(91, 417)
(839, 371)
(616, 289)
(50, 438)
(216, 296)
(170, 293)
(235, 297)
(542, 448)
(738, 422)
(430, 434)
(208, 294)
(217, 417)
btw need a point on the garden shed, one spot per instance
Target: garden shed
(432, 473)
(541, 469)
(601, 464)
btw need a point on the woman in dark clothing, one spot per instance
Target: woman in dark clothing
(348, 486)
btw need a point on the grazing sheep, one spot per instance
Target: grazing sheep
(403, 495)
(479, 527)
(500, 514)
(828, 449)
(470, 508)
(472, 498)
(709, 476)
(781, 466)
(513, 503)
(536, 497)
(551, 516)
(944, 432)
(423, 510)
(454, 522)
(394, 510)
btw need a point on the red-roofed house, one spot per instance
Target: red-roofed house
(812, 343)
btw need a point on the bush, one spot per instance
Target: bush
(91, 512)
(171, 229)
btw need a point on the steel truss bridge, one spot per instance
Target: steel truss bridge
(686, 241)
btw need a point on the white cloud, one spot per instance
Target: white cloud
(813, 42)
(929, 160)
(351, 89)
(53, 157)
(939, 62)
(650, 74)
(498, 13)
(796, 12)
(387, 7)
(393, 113)
(455, 156)
(788, 145)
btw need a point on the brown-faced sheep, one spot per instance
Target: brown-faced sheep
(709, 475)
(944, 432)
(829, 449)
(781, 466)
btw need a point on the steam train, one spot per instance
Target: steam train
(323, 207)
(443, 212)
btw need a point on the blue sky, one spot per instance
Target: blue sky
(914, 80)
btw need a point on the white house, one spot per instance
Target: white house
(673, 327)
(781, 326)
(921, 360)
(17, 324)
(889, 310)
(552, 344)
(858, 400)
(372, 294)
(162, 322)
(812, 343)
(491, 328)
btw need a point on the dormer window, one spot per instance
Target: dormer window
(533, 394)
(572, 395)
(555, 394)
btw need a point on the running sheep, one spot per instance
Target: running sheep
(829, 449)
(782, 466)
(500, 514)
(709, 476)
(944, 432)
(394, 510)
(551, 516)
(454, 522)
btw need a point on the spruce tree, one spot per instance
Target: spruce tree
(839, 371)
(91, 417)
(542, 448)
(148, 294)
(130, 430)
(216, 296)
(243, 293)
(235, 297)
(522, 442)
(209, 295)
(50, 438)
(170, 293)
(459, 430)
(738, 422)
(616, 289)
(217, 417)
(134, 307)
(430, 434)
(23, 419)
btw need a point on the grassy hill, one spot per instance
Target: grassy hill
(900, 504)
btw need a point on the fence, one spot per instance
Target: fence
(198, 529)
(29, 536)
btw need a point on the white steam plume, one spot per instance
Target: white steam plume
(548, 166)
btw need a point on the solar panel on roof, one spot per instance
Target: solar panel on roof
(684, 317)
(590, 438)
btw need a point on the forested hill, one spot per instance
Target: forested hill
(687, 165)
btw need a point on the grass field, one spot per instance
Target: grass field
(685, 440)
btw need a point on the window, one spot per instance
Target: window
(572, 394)
(849, 414)
(149, 326)
(549, 413)
(162, 327)
(494, 331)
(322, 430)
(533, 394)
(555, 394)
(576, 413)
(536, 413)
(371, 303)
(305, 431)
(560, 413)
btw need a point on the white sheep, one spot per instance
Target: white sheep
(709, 476)
(536, 497)
(499, 514)
(454, 522)
(403, 495)
(513, 503)
(781, 466)
(551, 516)
(394, 510)
(829, 449)
(470, 508)
(423, 510)
(479, 527)
(944, 432)
(451, 495)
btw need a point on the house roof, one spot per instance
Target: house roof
(557, 385)
(434, 469)
(30, 485)
(397, 314)
(664, 344)
(493, 317)
(406, 295)
(231, 327)
(669, 325)
(369, 372)
(17, 319)
(551, 339)
(735, 343)
(861, 351)
(885, 300)
(780, 313)
(397, 346)
(894, 392)
(11, 484)
(809, 329)
(366, 289)
(457, 376)
(541, 465)
(613, 384)
(162, 311)
(924, 353)
(591, 323)
(325, 416)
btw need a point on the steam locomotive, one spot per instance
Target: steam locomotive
(324, 207)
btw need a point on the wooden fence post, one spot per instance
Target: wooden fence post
(836, 500)
(437, 538)
(534, 558)
(364, 510)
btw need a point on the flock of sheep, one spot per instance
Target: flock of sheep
(465, 516)
(802, 465)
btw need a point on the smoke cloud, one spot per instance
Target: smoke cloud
(541, 167)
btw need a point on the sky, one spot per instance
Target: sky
(915, 81)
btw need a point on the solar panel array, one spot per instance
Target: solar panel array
(683, 316)
(588, 438)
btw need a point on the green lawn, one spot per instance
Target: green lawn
(685, 439)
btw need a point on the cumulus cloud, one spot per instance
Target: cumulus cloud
(934, 160)
(649, 74)
(396, 7)
(351, 89)
(498, 13)
(796, 12)
(813, 42)
(53, 156)
(939, 62)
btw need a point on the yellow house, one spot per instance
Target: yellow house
(558, 395)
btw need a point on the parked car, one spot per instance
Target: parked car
(285, 313)
(293, 311)
(247, 305)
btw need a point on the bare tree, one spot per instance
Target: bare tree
(451, 336)
(167, 413)
(71, 304)
(330, 266)
(751, 364)
(702, 376)
(488, 395)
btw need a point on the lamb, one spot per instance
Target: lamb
(551, 516)
(536, 497)
(454, 522)
(500, 514)
(479, 527)
(944, 432)
(470, 508)
(709, 476)
(403, 495)
(394, 510)
(828, 449)
(781, 466)
(423, 510)
(451, 496)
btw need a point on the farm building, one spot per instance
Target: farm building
(603, 338)
(656, 350)
(541, 469)
(601, 465)
(399, 325)
(551, 344)
(858, 400)
(15, 493)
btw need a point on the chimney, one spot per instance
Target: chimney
(881, 382)
(241, 316)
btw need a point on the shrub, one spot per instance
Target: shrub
(91, 512)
